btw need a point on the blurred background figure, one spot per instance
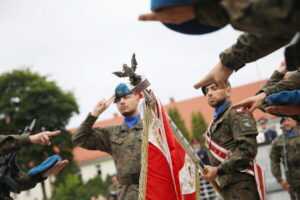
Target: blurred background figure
(285, 151)
(206, 190)
(112, 190)
(266, 134)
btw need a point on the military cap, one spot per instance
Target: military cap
(121, 90)
(204, 87)
(195, 140)
(45, 165)
(282, 119)
(262, 121)
(193, 27)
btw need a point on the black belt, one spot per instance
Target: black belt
(132, 179)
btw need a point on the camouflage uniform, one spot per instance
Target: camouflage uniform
(113, 188)
(12, 143)
(293, 160)
(277, 83)
(123, 143)
(268, 25)
(236, 132)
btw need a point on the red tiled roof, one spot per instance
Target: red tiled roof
(82, 155)
(186, 108)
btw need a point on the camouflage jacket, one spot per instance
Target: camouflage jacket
(267, 26)
(122, 142)
(277, 83)
(236, 132)
(12, 143)
(293, 156)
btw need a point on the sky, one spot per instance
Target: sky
(79, 43)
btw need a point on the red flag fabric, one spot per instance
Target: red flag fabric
(169, 173)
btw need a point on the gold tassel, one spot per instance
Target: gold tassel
(144, 156)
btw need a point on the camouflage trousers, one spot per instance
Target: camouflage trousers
(128, 192)
(240, 191)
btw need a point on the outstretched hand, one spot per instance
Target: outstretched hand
(251, 103)
(43, 137)
(173, 15)
(56, 168)
(102, 106)
(218, 75)
(286, 110)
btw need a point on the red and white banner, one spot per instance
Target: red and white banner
(254, 169)
(168, 172)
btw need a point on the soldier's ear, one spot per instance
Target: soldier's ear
(228, 92)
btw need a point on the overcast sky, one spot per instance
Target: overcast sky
(78, 43)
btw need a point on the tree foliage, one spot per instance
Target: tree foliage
(177, 119)
(74, 189)
(199, 127)
(25, 96)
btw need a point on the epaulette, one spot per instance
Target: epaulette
(240, 111)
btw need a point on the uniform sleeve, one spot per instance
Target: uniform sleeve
(275, 78)
(290, 83)
(92, 138)
(26, 181)
(11, 143)
(275, 155)
(244, 132)
(250, 47)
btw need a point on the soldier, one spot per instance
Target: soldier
(123, 141)
(285, 149)
(268, 25)
(269, 134)
(112, 189)
(231, 139)
(12, 143)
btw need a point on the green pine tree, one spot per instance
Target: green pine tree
(25, 96)
(177, 119)
(199, 127)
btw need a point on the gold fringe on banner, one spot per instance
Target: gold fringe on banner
(197, 183)
(144, 156)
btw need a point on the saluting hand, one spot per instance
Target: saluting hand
(251, 103)
(174, 15)
(43, 137)
(218, 75)
(282, 68)
(102, 105)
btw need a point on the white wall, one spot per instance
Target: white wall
(89, 169)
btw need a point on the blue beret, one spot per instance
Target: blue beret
(44, 166)
(193, 27)
(121, 91)
(282, 119)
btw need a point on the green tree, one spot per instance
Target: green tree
(199, 127)
(177, 119)
(74, 189)
(26, 95)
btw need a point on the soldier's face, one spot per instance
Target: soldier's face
(216, 96)
(288, 124)
(127, 105)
